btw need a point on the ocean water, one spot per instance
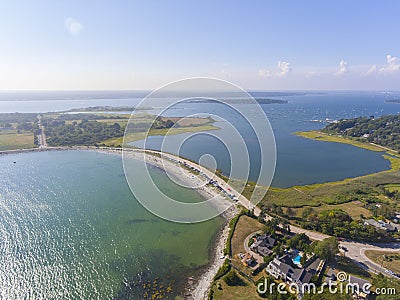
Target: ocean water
(71, 229)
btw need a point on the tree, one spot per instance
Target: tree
(303, 259)
(307, 212)
(232, 279)
(327, 248)
(290, 212)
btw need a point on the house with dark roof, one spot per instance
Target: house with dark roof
(263, 245)
(280, 268)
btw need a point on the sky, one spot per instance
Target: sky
(142, 45)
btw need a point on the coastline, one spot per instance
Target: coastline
(199, 286)
(318, 135)
(199, 289)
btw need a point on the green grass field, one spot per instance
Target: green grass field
(245, 292)
(13, 140)
(321, 136)
(393, 187)
(137, 136)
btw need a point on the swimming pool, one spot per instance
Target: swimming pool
(296, 260)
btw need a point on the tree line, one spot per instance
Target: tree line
(384, 131)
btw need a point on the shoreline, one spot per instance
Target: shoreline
(199, 286)
(199, 289)
(318, 135)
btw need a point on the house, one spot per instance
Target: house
(316, 266)
(372, 222)
(281, 269)
(247, 260)
(360, 288)
(389, 227)
(263, 245)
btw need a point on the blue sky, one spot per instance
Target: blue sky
(259, 45)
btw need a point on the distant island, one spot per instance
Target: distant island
(242, 101)
(393, 101)
(107, 109)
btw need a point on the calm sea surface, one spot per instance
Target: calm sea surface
(70, 227)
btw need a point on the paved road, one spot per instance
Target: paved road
(356, 251)
(42, 136)
(311, 234)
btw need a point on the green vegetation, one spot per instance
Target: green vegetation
(380, 281)
(338, 208)
(14, 140)
(225, 268)
(17, 131)
(10, 120)
(393, 187)
(244, 227)
(232, 225)
(220, 290)
(232, 279)
(325, 137)
(327, 249)
(136, 136)
(299, 242)
(383, 131)
(349, 200)
(94, 128)
(89, 133)
(351, 267)
(339, 224)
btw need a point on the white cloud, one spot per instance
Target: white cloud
(371, 70)
(73, 26)
(264, 73)
(285, 68)
(342, 68)
(393, 65)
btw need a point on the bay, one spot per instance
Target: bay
(71, 229)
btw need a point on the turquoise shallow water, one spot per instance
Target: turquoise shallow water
(70, 228)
